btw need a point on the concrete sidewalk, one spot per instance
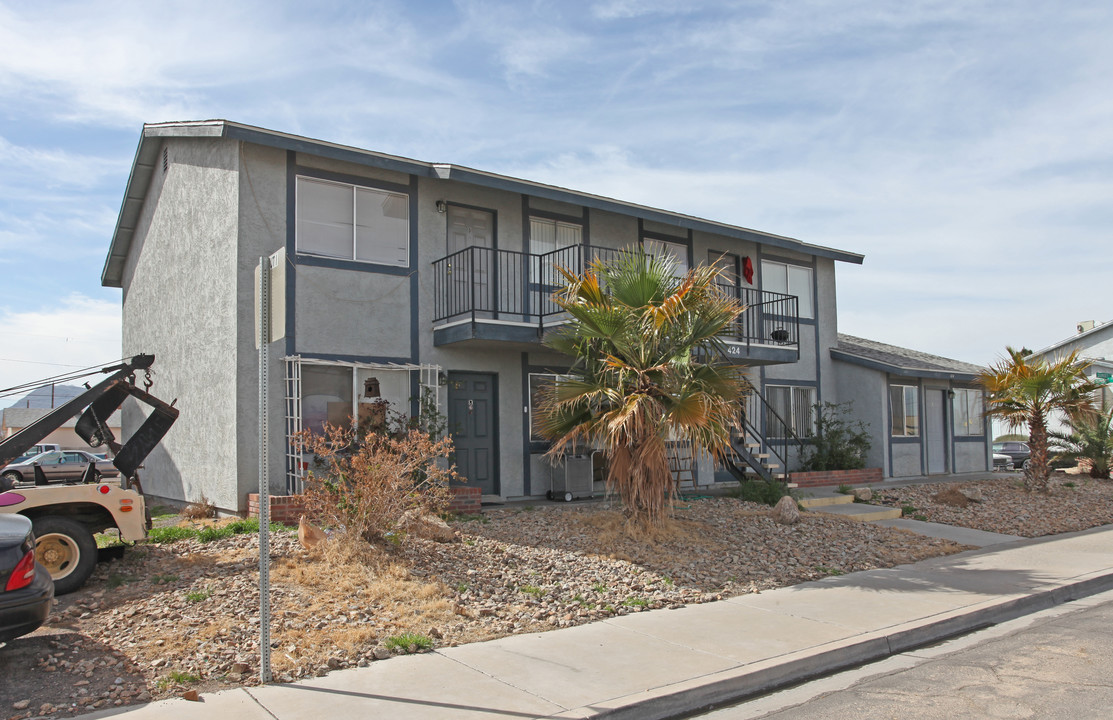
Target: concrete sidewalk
(663, 663)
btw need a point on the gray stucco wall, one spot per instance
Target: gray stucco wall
(178, 303)
(907, 460)
(970, 457)
(202, 233)
(867, 393)
(349, 312)
(262, 231)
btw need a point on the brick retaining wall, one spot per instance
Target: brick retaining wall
(285, 509)
(822, 478)
(465, 500)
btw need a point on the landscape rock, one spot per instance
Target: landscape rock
(785, 511)
(517, 569)
(863, 494)
(972, 493)
(951, 496)
(426, 527)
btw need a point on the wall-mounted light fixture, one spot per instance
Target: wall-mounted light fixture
(441, 206)
(951, 394)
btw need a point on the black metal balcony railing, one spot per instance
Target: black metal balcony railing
(479, 283)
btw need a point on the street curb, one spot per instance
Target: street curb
(737, 684)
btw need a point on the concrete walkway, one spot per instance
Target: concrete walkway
(664, 663)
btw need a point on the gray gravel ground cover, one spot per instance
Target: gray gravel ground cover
(167, 619)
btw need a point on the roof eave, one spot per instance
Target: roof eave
(1074, 338)
(150, 141)
(902, 371)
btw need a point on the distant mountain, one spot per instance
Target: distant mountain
(43, 397)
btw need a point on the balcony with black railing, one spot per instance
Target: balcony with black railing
(506, 295)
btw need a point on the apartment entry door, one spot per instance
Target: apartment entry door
(471, 232)
(936, 426)
(471, 422)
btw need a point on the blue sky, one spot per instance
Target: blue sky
(965, 148)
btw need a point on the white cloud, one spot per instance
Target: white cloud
(965, 149)
(28, 169)
(121, 64)
(77, 332)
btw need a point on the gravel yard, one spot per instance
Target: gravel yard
(167, 619)
(1074, 502)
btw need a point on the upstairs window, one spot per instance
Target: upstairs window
(904, 409)
(789, 280)
(967, 405)
(352, 222)
(548, 235)
(677, 252)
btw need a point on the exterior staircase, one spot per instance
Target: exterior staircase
(752, 455)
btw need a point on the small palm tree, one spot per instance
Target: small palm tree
(650, 366)
(1022, 392)
(1091, 439)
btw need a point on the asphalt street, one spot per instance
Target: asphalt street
(1052, 664)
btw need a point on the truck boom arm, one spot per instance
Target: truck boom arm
(101, 400)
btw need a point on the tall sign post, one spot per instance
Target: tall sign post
(264, 329)
(270, 326)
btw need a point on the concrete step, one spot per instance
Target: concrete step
(861, 512)
(825, 500)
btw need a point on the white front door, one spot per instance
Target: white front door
(936, 427)
(471, 233)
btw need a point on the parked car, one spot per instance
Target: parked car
(1002, 462)
(56, 465)
(1018, 451)
(26, 588)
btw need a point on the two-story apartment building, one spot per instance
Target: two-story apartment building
(399, 275)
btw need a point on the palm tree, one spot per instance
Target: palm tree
(1090, 438)
(1022, 392)
(650, 366)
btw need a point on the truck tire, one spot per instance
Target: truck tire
(67, 549)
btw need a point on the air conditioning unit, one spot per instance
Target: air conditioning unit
(1085, 326)
(572, 478)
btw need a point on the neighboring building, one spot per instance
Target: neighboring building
(1095, 344)
(17, 418)
(399, 275)
(924, 411)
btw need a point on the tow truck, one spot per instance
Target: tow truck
(66, 515)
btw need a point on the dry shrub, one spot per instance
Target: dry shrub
(340, 576)
(199, 510)
(364, 485)
(951, 496)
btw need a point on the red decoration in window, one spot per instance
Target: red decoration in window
(748, 270)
